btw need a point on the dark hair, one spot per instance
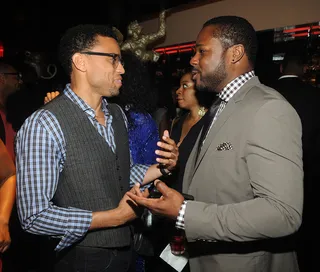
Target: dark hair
(236, 30)
(293, 64)
(137, 90)
(80, 38)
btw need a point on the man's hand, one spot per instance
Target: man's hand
(5, 239)
(168, 204)
(50, 96)
(129, 208)
(169, 153)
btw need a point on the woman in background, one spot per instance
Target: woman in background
(187, 125)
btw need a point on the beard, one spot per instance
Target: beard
(210, 83)
(113, 92)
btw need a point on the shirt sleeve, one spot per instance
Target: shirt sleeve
(137, 173)
(180, 218)
(40, 147)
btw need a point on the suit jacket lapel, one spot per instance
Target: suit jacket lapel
(194, 161)
(222, 118)
(189, 169)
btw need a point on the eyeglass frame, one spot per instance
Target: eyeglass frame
(115, 57)
(19, 75)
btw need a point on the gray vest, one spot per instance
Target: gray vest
(93, 177)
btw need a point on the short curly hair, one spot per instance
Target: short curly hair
(80, 38)
(236, 30)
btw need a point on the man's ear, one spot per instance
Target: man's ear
(79, 62)
(237, 53)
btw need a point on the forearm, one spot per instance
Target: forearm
(256, 219)
(152, 173)
(7, 198)
(108, 219)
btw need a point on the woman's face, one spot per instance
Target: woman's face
(186, 93)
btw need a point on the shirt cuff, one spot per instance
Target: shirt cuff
(180, 218)
(137, 173)
(76, 229)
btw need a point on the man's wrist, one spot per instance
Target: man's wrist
(164, 171)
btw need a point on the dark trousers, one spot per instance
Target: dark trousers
(88, 259)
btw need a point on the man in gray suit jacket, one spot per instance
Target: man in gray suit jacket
(246, 175)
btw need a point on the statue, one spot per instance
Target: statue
(38, 61)
(137, 42)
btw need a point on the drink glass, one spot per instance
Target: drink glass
(178, 242)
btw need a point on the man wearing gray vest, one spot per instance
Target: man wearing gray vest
(73, 160)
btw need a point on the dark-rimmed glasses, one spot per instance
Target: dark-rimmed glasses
(116, 58)
(19, 75)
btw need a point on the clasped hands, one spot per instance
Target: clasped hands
(167, 205)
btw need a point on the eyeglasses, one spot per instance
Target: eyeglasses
(116, 58)
(19, 75)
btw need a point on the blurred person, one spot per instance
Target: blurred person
(7, 197)
(305, 99)
(10, 82)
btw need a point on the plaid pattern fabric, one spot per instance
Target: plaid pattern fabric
(225, 95)
(180, 218)
(41, 153)
(230, 90)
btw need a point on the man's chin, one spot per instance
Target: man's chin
(113, 92)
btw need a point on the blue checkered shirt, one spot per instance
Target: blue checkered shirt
(40, 156)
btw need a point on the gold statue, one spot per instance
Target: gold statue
(137, 42)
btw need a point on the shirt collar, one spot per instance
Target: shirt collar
(232, 87)
(83, 105)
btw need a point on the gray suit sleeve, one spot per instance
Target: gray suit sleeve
(273, 155)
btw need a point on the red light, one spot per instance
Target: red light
(175, 48)
(302, 31)
(1, 50)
